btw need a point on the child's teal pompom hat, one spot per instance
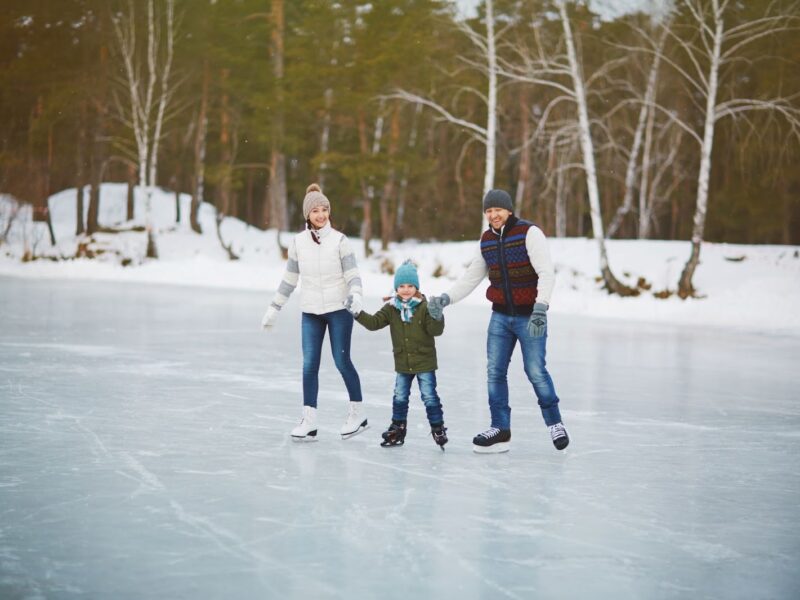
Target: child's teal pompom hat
(406, 273)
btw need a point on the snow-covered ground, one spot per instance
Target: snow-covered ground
(144, 453)
(747, 288)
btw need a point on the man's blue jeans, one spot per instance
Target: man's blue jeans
(504, 333)
(340, 325)
(427, 389)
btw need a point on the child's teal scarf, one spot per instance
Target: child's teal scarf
(406, 307)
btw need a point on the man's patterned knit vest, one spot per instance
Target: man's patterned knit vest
(511, 275)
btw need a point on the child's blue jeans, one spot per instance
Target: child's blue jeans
(427, 389)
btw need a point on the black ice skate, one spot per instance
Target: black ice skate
(492, 441)
(558, 433)
(395, 435)
(439, 433)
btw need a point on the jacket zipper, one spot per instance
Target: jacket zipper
(503, 275)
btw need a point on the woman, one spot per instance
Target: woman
(322, 257)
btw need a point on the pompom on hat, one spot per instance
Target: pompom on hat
(314, 198)
(406, 273)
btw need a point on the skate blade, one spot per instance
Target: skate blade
(364, 426)
(311, 437)
(397, 445)
(493, 449)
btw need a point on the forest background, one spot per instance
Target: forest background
(406, 111)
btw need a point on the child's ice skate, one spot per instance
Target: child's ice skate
(395, 435)
(439, 433)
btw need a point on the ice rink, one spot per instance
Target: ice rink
(144, 453)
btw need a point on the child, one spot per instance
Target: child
(412, 329)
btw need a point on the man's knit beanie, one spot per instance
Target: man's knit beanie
(497, 199)
(314, 198)
(406, 273)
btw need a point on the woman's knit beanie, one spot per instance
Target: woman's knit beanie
(314, 198)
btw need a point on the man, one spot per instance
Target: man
(514, 254)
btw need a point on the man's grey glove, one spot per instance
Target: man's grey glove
(436, 306)
(537, 326)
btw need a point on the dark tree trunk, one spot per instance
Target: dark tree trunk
(250, 207)
(387, 196)
(129, 212)
(366, 227)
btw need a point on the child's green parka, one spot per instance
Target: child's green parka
(413, 343)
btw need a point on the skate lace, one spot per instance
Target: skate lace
(490, 433)
(557, 431)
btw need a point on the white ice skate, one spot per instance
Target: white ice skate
(355, 423)
(307, 430)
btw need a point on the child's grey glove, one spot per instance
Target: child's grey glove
(353, 304)
(537, 325)
(436, 306)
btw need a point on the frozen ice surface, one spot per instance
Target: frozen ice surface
(144, 454)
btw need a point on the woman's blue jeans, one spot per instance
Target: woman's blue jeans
(427, 389)
(340, 325)
(504, 333)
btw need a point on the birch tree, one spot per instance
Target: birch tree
(710, 51)
(564, 73)
(148, 85)
(642, 135)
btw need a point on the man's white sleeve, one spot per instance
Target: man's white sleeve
(476, 271)
(539, 253)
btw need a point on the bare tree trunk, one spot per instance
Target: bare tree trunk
(685, 287)
(366, 226)
(250, 204)
(325, 138)
(279, 213)
(80, 172)
(198, 180)
(587, 150)
(523, 178)
(491, 104)
(79, 228)
(645, 120)
(129, 213)
(226, 154)
(389, 185)
(644, 189)
(165, 91)
(401, 198)
(561, 204)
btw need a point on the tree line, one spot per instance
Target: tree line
(678, 123)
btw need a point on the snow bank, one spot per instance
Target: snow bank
(753, 288)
